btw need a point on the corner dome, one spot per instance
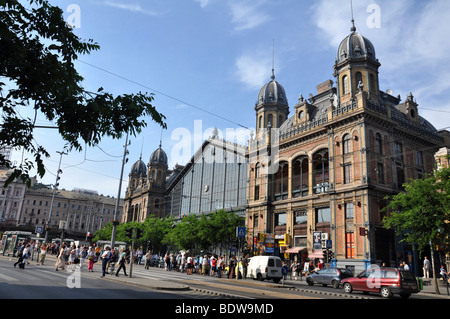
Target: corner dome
(272, 93)
(159, 157)
(355, 46)
(139, 168)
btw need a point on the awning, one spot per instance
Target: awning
(294, 250)
(316, 254)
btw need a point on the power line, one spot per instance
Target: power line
(164, 94)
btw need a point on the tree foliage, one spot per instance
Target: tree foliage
(37, 55)
(191, 232)
(422, 212)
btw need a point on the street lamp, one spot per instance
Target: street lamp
(53, 196)
(115, 222)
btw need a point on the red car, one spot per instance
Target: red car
(386, 281)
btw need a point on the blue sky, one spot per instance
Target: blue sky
(206, 60)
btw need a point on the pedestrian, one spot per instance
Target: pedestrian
(83, 255)
(122, 260)
(26, 254)
(426, 268)
(166, 261)
(91, 259)
(405, 266)
(213, 262)
(148, 258)
(190, 265)
(20, 255)
(231, 267)
(60, 260)
(42, 254)
(443, 273)
(105, 259)
(204, 265)
(219, 267)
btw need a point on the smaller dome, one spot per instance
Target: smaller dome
(355, 46)
(272, 93)
(159, 157)
(139, 168)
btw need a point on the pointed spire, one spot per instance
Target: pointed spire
(353, 28)
(273, 60)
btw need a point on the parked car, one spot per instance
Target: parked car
(386, 281)
(265, 267)
(328, 276)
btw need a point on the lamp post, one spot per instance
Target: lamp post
(53, 196)
(115, 222)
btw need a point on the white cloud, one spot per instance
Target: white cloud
(129, 7)
(253, 70)
(203, 3)
(247, 14)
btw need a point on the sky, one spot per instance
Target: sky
(206, 60)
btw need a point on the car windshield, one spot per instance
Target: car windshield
(346, 272)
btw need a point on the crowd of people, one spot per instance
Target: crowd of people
(113, 261)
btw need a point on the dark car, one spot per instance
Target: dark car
(328, 276)
(386, 281)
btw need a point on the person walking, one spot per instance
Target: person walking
(20, 255)
(91, 259)
(105, 259)
(60, 259)
(42, 254)
(426, 268)
(219, 267)
(148, 258)
(122, 260)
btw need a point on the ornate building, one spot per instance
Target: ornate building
(340, 153)
(146, 187)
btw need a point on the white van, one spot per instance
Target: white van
(265, 267)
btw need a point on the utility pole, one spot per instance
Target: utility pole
(55, 187)
(115, 221)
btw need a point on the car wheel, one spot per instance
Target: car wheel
(310, 282)
(385, 292)
(335, 284)
(348, 288)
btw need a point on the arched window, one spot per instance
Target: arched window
(345, 87)
(281, 182)
(346, 144)
(321, 171)
(260, 122)
(270, 120)
(300, 177)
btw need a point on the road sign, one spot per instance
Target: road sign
(329, 244)
(39, 229)
(240, 232)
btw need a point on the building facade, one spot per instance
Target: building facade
(82, 211)
(339, 155)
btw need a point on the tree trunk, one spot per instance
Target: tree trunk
(435, 271)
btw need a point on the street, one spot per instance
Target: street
(36, 281)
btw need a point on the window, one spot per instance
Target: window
(323, 215)
(300, 177)
(398, 151)
(301, 217)
(256, 192)
(321, 171)
(345, 86)
(346, 144)
(378, 144)
(280, 219)
(281, 185)
(419, 155)
(349, 211)
(347, 173)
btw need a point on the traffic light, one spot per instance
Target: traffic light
(129, 232)
(138, 233)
